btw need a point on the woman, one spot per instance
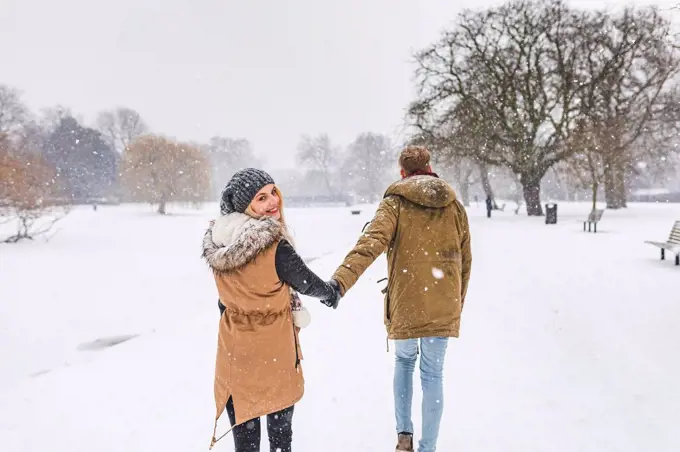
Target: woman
(257, 270)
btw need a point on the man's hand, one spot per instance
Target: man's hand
(335, 300)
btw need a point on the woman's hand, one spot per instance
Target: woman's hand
(335, 300)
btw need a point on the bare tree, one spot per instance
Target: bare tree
(13, 112)
(31, 138)
(484, 171)
(466, 174)
(455, 150)
(52, 117)
(636, 99)
(120, 127)
(509, 77)
(227, 156)
(158, 171)
(587, 167)
(319, 154)
(370, 165)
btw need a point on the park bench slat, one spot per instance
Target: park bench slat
(673, 243)
(675, 233)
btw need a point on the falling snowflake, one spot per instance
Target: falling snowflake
(438, 273)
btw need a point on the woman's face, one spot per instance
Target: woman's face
(267, 202)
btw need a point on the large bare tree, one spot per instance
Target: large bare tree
(451, 161)
(51, 117)
(120, 127)
(13, 112)
(507, 76)
(227, 156)
(321, 155)
(370, 165)
(632, 113)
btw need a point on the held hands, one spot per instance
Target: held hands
(335, 299)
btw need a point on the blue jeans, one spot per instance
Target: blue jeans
(432, 354)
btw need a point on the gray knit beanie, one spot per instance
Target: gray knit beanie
(242, 188)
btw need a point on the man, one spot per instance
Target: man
(424, 229)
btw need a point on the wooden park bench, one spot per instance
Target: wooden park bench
(594, 218)
(672, 245)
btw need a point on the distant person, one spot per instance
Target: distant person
(489, 206)
(258, 272)
(424, 230)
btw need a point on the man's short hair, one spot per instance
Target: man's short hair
(414, 158)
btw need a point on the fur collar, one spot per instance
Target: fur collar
(236, 239)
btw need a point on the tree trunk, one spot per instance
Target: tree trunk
(532, 196)
(161, 206)
(486, 183)
(595, 188)
(615, 186)
(327, 179)
(465, 193)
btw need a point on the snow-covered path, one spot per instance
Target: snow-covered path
(569, 340)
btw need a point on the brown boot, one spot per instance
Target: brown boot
(405, 442)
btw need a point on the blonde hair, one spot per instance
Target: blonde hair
(282, 220)
(414, 158)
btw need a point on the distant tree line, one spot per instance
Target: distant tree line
(118, 159)
(53, 159)
(360, 172)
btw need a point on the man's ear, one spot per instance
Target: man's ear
(403, 173)
(429, 168)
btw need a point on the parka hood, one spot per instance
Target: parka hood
(236, 239)
(427, 191)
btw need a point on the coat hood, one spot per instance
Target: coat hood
(427, 191)
(236, 239)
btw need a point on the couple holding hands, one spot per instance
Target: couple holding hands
(424, 230)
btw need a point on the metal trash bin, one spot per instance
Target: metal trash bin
(551, 214)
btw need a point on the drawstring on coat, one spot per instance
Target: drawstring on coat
(215, 440)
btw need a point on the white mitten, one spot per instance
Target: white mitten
(301, 317)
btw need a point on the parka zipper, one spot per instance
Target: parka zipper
(297, 353)
(385, 291)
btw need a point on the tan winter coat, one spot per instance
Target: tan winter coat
(425, 232)
(258, 353)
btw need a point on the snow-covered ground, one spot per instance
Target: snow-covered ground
(569, 340)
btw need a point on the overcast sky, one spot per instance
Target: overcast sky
(268, 71)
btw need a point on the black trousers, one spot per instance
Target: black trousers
(247, 435)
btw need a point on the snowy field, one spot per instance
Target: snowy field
(569, 341)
